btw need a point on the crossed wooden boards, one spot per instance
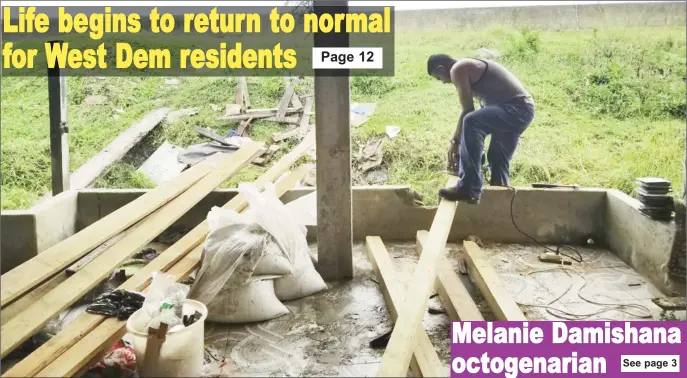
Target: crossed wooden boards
(409, 345)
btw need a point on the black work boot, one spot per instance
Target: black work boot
(455, 194)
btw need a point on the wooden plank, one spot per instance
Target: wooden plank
(19, 329)
(76, 343)
(244, 127)
(59, 130)
(293, 120)
(490, 285)
(670, 303)
(295, 101)
(29, 298)
(305, 118)
(246, 96)
(286, 98)
(255, 113)
(425, 361)
(403, 338)
(98, 251)
(453, 294)
(56, 258)
(57, 345)
(211, 135)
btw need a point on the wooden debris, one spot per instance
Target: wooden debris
(244, 128)
(278, 137)
(212, 135)
(294, 120)
(284, 102)
(233, 109)
(265, 157)
(255, 113)
(489, 284)
(671, 303)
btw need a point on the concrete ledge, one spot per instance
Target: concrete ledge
(640, 241)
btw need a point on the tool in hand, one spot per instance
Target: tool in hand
(544, 185)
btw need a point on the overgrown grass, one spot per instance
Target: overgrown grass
(610, 108)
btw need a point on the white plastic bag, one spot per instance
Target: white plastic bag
(251, 302)
(290, 234)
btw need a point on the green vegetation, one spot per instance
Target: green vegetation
(610, 108)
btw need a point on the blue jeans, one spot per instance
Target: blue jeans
(505, 123)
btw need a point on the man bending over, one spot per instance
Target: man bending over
(507, 109)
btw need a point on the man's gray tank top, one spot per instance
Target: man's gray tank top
(497, 85)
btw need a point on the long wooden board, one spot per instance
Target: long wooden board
(453, 294)
(425, 361)
(47, 263)
(489, 284)
(49, 351)
(110, 330)
(403, 339)
(19, 329)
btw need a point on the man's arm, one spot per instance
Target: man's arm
(461, 79)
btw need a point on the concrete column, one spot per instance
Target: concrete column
(333, 146)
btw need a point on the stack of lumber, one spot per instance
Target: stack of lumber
(38, 290)
(409, 347)
(290, 111)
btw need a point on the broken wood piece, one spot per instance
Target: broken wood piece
(58, 257)
(489, 284)
(24, 325)
(212, 135)
(70, 349)
(671, 303)
(278, 137)
(151, 356)
(425, 361)
(255, 113)
(293, 120)
(403, 339)
(305, 118)
(452, 293)
(233, 109)
(284, 102)
(244, 127)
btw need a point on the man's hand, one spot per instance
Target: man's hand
(453, 156)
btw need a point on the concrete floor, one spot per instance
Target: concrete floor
(328, 334)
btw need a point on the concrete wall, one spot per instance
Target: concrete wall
(557, 216)
(641, 242)
(552, 216)
(554, 17)
(27, 233)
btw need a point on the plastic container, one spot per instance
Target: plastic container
(182, 352)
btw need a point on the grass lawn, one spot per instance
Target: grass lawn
(610, 108)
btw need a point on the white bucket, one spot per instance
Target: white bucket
(182, 352)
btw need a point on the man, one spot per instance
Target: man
(507, 109)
